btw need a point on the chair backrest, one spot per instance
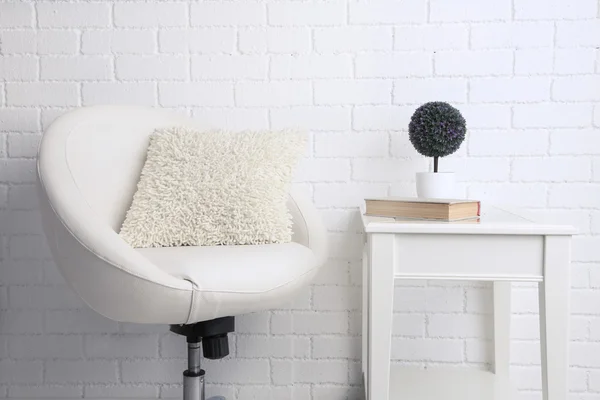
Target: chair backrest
(101, 150)
(95, 155)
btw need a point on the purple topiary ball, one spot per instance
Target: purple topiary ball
(437, 129)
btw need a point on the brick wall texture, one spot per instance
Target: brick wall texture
(525, 74)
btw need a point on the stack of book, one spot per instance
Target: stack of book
(423, 209)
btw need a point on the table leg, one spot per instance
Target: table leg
(365, 314)
(554, 317)
(381, 308)
(502, 313)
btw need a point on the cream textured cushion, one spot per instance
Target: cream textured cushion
(214, 188)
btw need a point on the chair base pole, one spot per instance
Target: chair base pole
(193, 377)
(211, 336)
(193, 386)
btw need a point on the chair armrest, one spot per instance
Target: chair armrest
(308, 228)
(108, 274)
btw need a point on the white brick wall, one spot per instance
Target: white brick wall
(275, 40)
(525, 74)
(106, 41)
(70, 15)
(150, 15)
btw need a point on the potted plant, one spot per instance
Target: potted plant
(436, 130)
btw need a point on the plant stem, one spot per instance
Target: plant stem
(435, 164)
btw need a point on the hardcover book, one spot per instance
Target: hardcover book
(418, 208)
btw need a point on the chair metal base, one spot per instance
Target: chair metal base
(193, 386)
(193, 377)
(212, 337)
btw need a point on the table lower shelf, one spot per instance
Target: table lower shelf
(408, 383)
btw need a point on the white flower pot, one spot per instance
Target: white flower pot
(436, 185)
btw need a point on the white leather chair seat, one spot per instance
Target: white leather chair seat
(238, 269)
(232, 280)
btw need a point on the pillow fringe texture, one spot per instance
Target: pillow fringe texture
(214, 188)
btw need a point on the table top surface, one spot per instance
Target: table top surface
(493, 220)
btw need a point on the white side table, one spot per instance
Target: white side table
(501, 248)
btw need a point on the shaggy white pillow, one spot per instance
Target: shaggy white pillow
(214, 188)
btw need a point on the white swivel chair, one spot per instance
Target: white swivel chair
(89, 164)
